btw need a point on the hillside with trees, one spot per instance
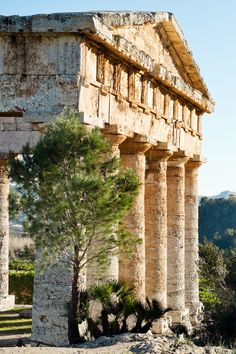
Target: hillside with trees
(217, 234)
(217, 221)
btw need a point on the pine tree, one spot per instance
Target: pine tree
(73, 193)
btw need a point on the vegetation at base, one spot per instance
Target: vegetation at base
(217, 232)
(218, 294)
(73, 193)
(21, 285)
(119, 311)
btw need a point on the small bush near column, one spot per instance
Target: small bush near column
(111, 309)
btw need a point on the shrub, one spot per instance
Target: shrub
(208, 294)
(18, 264)
(21, 247)
(217, 292)
(21, 285)
(218, 326)
(117, 310)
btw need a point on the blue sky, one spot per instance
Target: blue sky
(210, 29)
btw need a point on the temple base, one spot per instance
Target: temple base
(196, 314)
(7, 302)
(182, 318)
(161, 326)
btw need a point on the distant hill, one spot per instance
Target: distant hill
(217, 219)
(222, 195)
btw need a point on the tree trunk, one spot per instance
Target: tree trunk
(73, 329)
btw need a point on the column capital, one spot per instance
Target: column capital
(195, 162)
(116, 129)
(154, 153)
(139, 144)
(177, 161)
(115, 139)
(193, 165)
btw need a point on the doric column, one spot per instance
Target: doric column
(6, 301)
(4, 228)
(191, 240)
(132, 271)
(176, 238)
(112, 271)
(156, 224)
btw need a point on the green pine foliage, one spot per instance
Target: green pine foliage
(217, 221)
(74, 197)
(72, 193)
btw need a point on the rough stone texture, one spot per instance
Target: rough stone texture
(127, 343)
(112, 271)
(74, 73)
(38, 73)
(6, 301)
(156, 225)
(52, 292)
(191, 240)
(176, 237)
(132, 75)
(132, 270)
(147, 343)
(4, 228)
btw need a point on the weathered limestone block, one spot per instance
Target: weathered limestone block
(132, 271)
(52, 293)
(191, 240)
(6, 301)
(4, 227)
(135, 71)
(39, 72)
(176, 237)
(156, 224)
(13, 141)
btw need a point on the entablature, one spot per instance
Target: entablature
(101, 28)
(128, 83)
(127, 53)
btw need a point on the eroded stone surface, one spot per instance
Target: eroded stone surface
(156, 224)
(132, 271)
(4, 228)
(133, 76)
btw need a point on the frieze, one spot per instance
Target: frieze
(141, 91)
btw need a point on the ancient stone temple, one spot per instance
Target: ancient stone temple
(132, 75)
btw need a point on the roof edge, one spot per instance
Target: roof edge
(100, 25)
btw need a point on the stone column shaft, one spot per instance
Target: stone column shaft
(112, 272)
(6, 301)
(176, 235)
(156, 225)
(132, 271)
(4, 228)
(191, 238)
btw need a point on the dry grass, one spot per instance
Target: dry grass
(18, 244)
